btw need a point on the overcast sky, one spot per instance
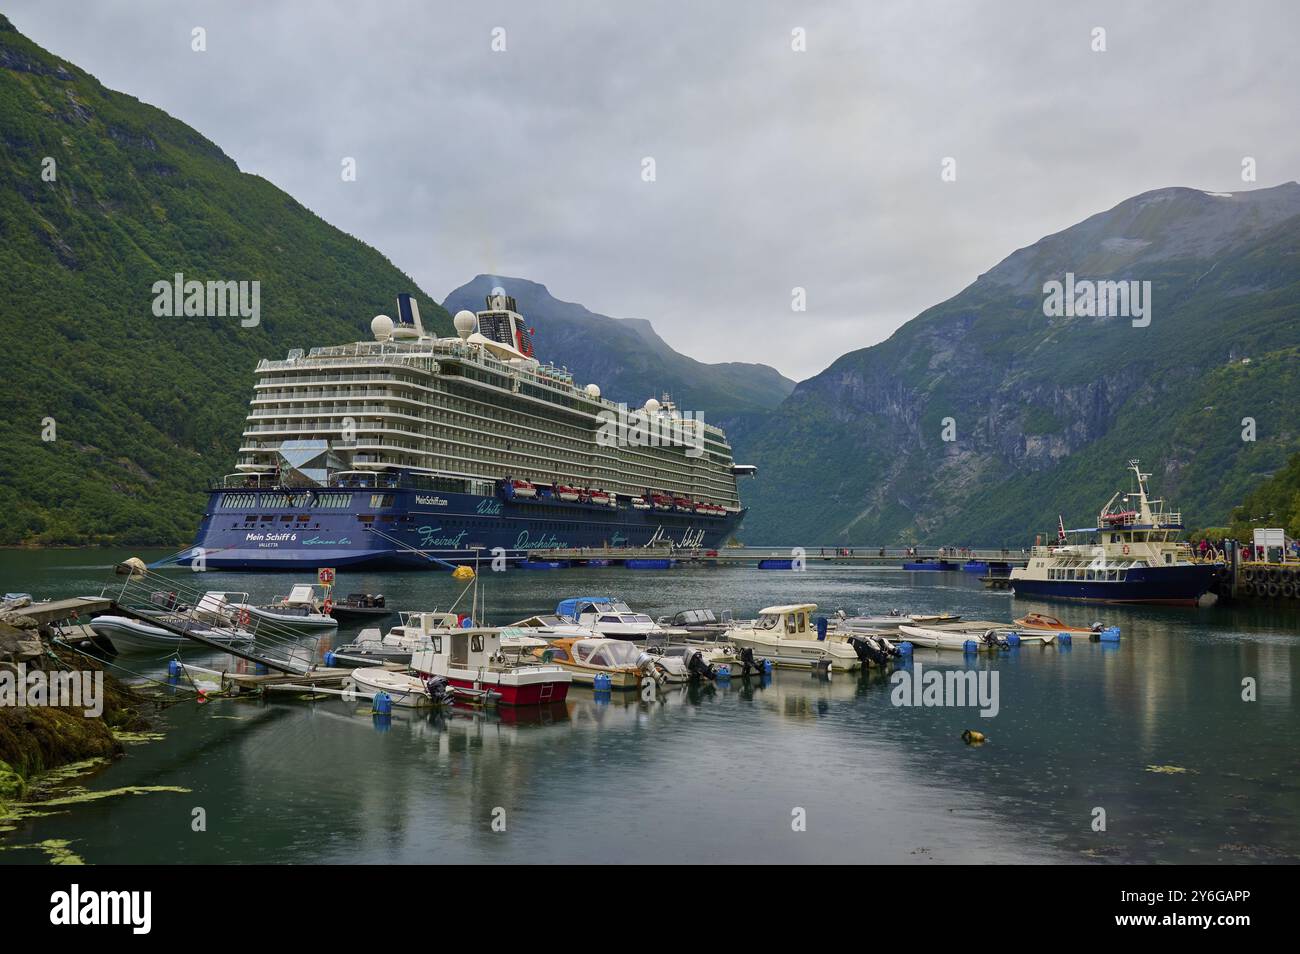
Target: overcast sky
(774, 168)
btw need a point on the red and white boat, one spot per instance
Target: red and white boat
(662, 501)
(712, 510)
(602, 498)
(683, 504)
(640, 503)
(566, 493)
(523, 488)
(475, 660)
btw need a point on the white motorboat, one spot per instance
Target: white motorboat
(129, 635)
(412, 636)
(403, 688)
(608, 617)
(891, 620)
(301, 610)
(988, 641)
(785, 635)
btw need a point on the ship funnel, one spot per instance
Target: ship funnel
(408, 323)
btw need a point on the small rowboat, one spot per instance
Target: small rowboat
(1037, 623)
(988, 641)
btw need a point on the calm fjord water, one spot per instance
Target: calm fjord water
(714, 774)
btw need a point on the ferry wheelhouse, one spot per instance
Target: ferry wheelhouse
(1132, 555)
(412, 449)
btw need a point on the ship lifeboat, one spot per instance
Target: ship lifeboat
(662, 502)
(684, 504)
(600, 497)
(522, 488)
(1127, 516)
(640, 503)
(566, 493)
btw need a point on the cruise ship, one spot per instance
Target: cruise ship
(1132, 555)
(411, 450)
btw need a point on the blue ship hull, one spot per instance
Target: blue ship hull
(1174, 585)
(384, 528)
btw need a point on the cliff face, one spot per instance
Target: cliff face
(984, 417)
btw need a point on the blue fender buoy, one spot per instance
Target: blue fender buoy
(821, 627)
(1064, 637)
(1013, 639)
(1110, 634)
(602, 682)
(970, 646)
(173, 667)
(767, 667)
(382, 704)
(329, 659)
(724, 673)
(904, 649)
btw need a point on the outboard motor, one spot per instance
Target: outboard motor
(885, 646)
(991, 638)
(439, 692)
(749, 663)
(699, 669)
(867, 652)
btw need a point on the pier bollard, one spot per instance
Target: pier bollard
(382, 704)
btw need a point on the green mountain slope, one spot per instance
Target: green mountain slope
(627, 358)
(146, 409)
(1047, 410)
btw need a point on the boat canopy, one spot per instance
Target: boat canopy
(606, 652)
(790, 608)
(575, 606)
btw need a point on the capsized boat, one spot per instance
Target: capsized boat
(785, 635)
(301, 610)
(474, 660)
(989, 640)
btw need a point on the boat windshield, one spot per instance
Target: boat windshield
(768, 621)
(609, 654)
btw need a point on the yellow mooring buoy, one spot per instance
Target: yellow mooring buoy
(971, 737)
(463, 573)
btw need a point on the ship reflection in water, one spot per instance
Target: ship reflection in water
(1152, 729)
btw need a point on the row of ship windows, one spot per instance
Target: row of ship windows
(303, 501)
(1080, 575)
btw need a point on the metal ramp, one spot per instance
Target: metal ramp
(208, 618)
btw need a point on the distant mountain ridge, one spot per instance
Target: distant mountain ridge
(626, 357)
(1045, 411)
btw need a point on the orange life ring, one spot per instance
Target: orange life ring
(329, 605)
(244, 617)
(1126, 549)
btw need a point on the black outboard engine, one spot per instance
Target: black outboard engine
(885, 646)
(699, 669)
(992, 638)
(867, 651)
(439, 692)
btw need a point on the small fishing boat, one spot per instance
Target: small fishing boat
(301, 610)
(405, 689)
(989, 640)
(475, 660)
(584, 659)
(360, 608)
(413, 635)
(785, 635)
(127, 635)
(1033, 623)
(697, 622)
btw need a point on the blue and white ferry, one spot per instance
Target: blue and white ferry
(411, 449)
(1132, 555)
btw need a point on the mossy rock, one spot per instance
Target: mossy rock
(12, 785)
